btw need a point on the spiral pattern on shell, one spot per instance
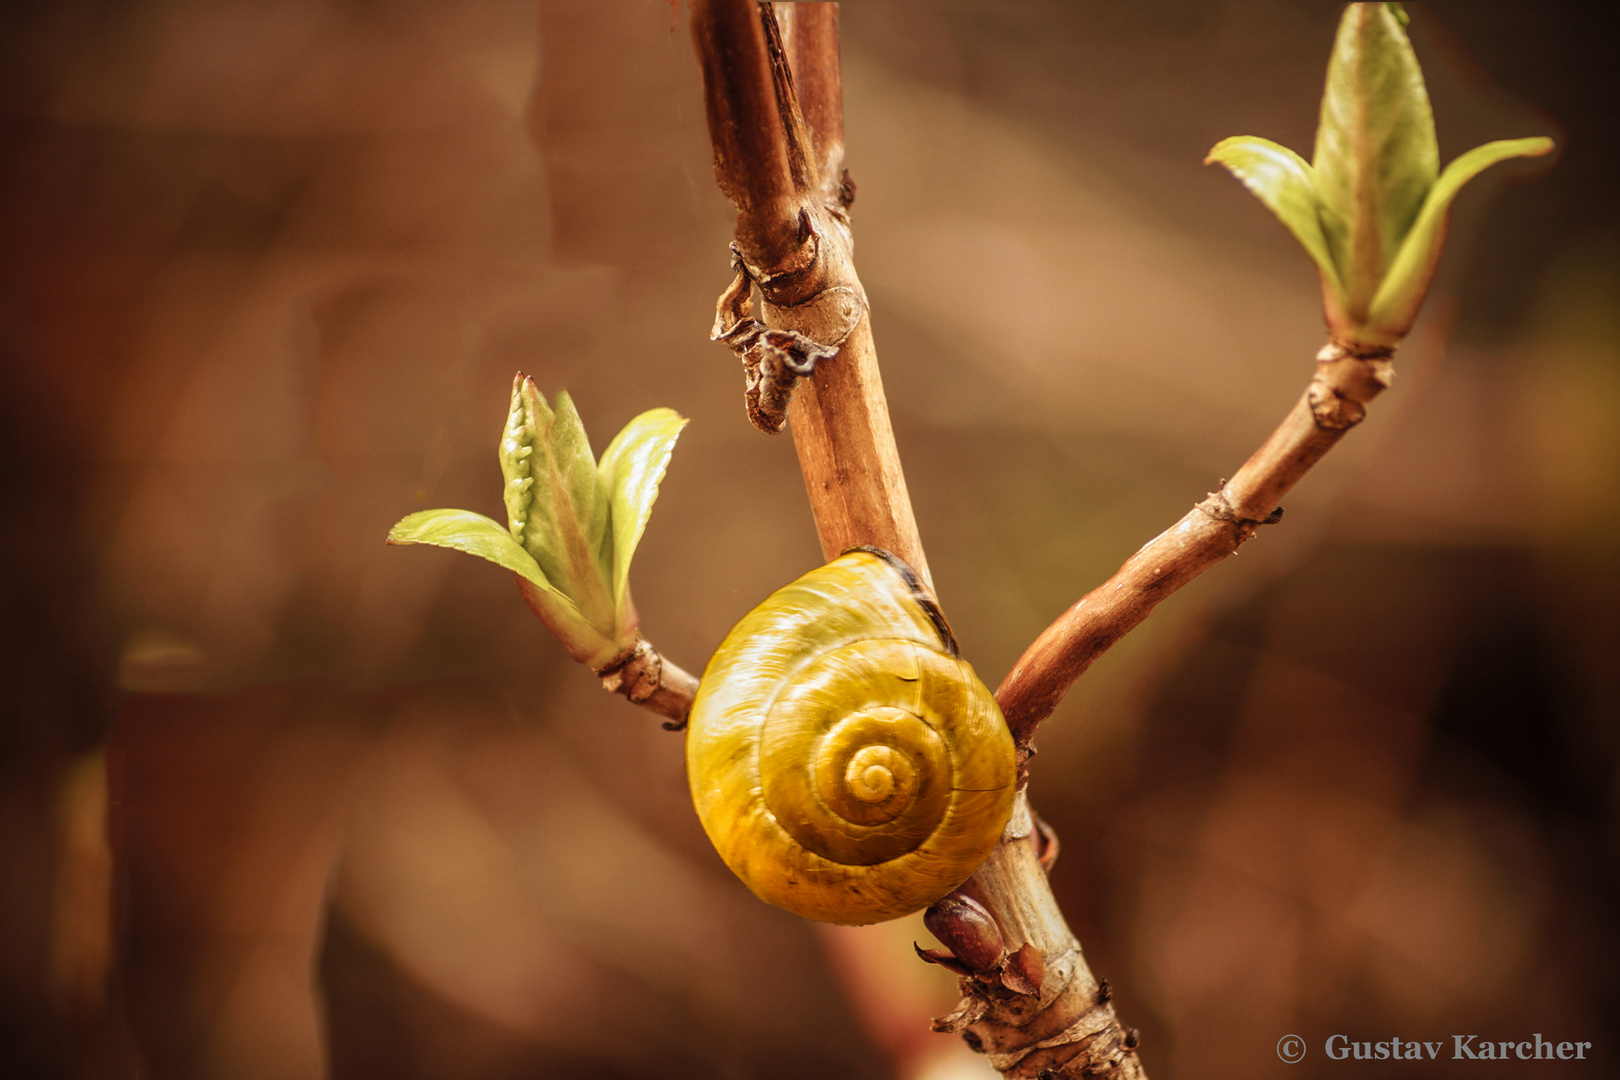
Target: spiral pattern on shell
(846, 762)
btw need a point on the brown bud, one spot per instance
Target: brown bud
(967, 929)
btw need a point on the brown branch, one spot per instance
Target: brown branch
(1041, 1012)
(752, 151)
(640, 673)
(840, 418)
(810, 36)
(1333, 403)
(1067, 1028)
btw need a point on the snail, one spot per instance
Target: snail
(843, 758)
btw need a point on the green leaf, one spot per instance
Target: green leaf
(463, 530)
(574, 454)
(632, 467)
(475, 534)
(1376, 155)
(1396, 304)
(566, 525)
(572, 525)
(1283, 181)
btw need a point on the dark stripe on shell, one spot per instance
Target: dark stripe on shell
(919, 592)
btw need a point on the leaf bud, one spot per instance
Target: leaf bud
(963, 926)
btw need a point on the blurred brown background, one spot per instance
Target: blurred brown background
(267, 269)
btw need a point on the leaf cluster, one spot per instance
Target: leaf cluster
(573, 522)
(1371, 207)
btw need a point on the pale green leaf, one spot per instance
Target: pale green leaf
(566, 529)
(463, 530)
(1283, 181)
(574, 450)
(1396, 304)
(632, 468)
(475, 534)
(1376, 155)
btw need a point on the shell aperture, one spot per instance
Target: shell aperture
(847, 764)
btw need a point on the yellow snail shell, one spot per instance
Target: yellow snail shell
(844, 759)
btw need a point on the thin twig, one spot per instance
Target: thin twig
(645, 678)
(640, 674)
(1334, 402)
